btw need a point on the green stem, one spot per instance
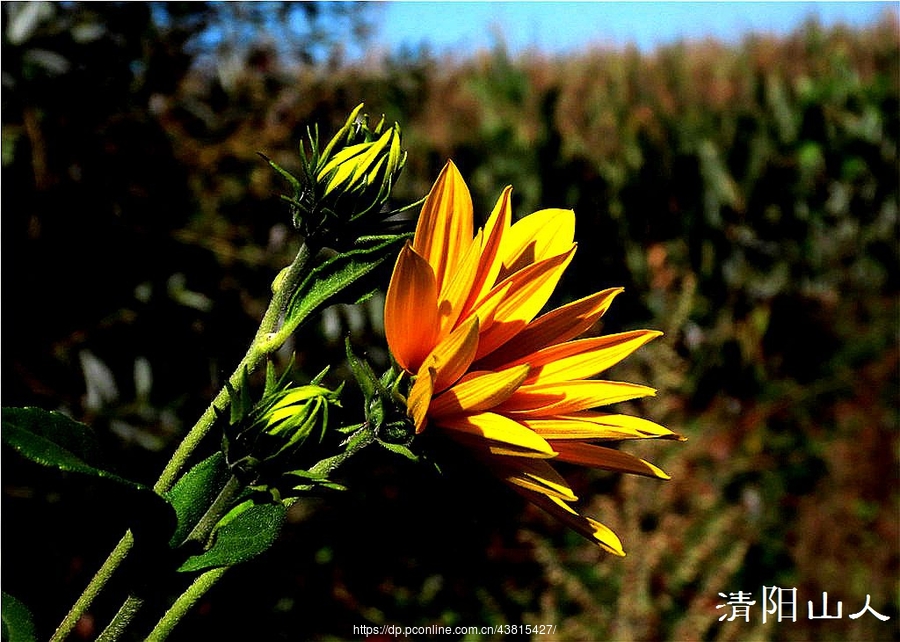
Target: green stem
(207, 580)
(122, 619)
(118, 555)
(199, 533)
(216, 512)
(357, 443)
(185, 602)
(266, 341)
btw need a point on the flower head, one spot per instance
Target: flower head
(514, 388)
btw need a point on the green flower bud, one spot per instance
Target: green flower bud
(263, 437)
(349, 179)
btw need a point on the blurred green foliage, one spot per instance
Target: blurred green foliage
(746, 196)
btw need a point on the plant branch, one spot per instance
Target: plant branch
(101, 577)
(185, 602)
(261, 346)
(122, 619)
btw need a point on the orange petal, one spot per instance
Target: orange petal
(576, 452)
(420, 398)
(554, 327)
(475, 429)
(588, 424)
(453, 356)
(479, 391)
(536, 237)
(444, 230)
(585, 357)
(528, 292)
(410, 310)
(543, 400)
(584, 526)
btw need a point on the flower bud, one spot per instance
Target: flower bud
(348, 179)
(262, 437)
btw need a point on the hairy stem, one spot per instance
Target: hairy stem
(118, 555)
(207, 580)
(185, 602)
(260, 348)
(266, 341)
(122, 619)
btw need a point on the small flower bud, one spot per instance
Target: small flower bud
(262, 437)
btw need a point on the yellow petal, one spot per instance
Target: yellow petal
(479, 391)
(420, 398)
(410, 310)
(554, 327)
(458, 286)
(529, 290)
(492, 239)
(584, 526)
(453, 356)
(576, 452)
(536, 237)
(342, 157)
(444, 230)
(585, 357)
(532, 474)
(543, 400)
(588, 424)
(476, 428)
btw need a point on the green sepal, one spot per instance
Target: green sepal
(349, 429)
(195, 492)
(365, 377)
(338, 273)
(54, 440)
(400, 449)
(317, 481)
(249, 534)
(18, 625)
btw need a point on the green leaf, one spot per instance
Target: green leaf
(17, 623)
(57, 441)
(195, 492)
(51, 438)
(338, 273)
(248, 535)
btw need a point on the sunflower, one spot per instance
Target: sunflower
(513, 388)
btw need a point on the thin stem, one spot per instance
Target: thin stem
(207, 580)
(185, 602)
(328, 466)
(122, 619)
(101, 577)
(199, 533)
(216, 512)
(261, 346)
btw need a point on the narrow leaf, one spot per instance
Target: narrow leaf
(337, 273)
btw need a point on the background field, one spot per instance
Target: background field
(746, 196)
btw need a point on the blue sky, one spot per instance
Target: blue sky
(559, 27)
